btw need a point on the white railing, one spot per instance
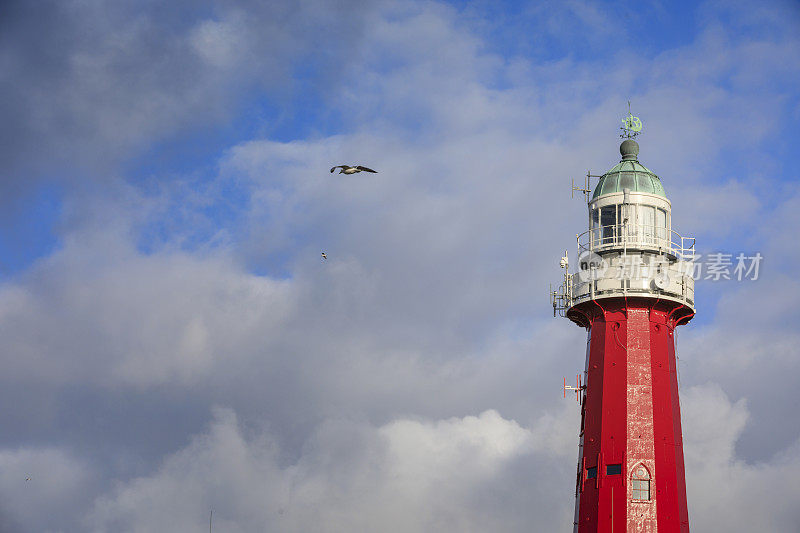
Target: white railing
(638, 237)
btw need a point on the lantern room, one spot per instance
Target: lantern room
(630, 248)
(629, 208)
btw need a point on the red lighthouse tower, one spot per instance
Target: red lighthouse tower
(632, 287)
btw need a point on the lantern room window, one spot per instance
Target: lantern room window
(647, 219)
(608, 223)
(594, 225)
(661, 226)
(640, 483)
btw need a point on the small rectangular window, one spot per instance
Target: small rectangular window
(612, 470)
(591, 473)
(641, 491)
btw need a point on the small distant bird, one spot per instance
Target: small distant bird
(324, 255)
(347, 169)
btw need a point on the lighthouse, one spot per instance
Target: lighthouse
(630, 287)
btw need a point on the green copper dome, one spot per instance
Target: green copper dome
(629, 174)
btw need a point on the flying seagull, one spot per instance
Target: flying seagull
(347, 169)
(324, 255)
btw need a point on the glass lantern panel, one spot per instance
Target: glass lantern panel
(610, 183)
(627, 181)
(657, 187)
(645, 183)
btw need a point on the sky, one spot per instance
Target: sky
(173, 341)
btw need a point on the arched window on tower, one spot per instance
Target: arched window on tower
(640, 483)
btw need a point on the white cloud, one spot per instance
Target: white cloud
(218, 42)
(474, 473)
(433, 300)
(408, 475)
(112, 315)
(750, 344)
(726, 493)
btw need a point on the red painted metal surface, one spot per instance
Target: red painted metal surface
(630, 418)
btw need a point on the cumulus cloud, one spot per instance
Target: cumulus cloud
(408, 475)
(724, 491)
(467, 474)
(750, 346)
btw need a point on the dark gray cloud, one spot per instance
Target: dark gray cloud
(412, 379)
(407, 475)
(84, 85)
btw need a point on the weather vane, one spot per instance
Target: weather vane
(631, 126)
